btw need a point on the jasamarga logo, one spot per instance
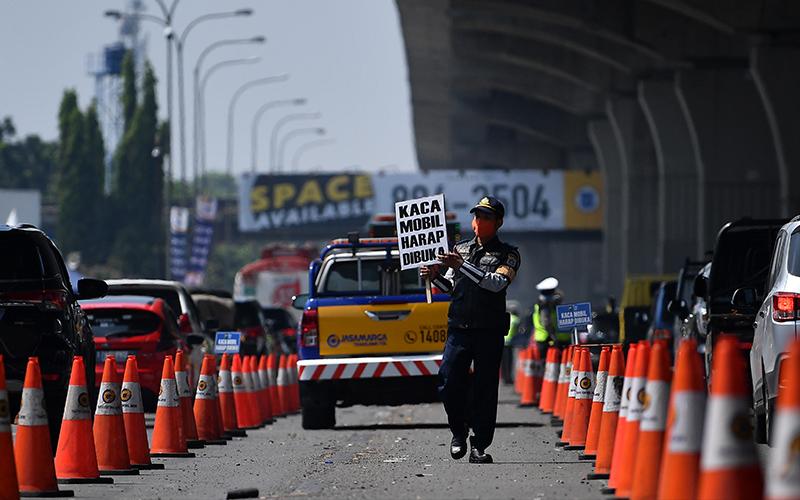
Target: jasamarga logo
(358, 339)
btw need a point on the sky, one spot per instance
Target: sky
(346, 57)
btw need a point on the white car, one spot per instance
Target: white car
(775, 325)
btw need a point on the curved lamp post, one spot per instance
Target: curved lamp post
(291, 134)
(277, 127)
(307, 146)
(257, 120)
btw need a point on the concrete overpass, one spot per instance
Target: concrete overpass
(690, 108)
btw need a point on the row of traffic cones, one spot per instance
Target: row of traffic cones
(116, 443)
(650, 431)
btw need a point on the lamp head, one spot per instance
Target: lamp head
(114, 14)
(244, 12)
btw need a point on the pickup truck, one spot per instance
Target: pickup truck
(367, 334)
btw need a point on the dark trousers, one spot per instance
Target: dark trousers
(471, 400)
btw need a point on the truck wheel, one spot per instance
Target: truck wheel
(318, 406)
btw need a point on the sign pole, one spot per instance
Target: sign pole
(428, 289)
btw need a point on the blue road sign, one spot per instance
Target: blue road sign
(569, 316)
(227, 342)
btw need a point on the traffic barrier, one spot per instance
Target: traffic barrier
(133, 416)
(244, 409)
(612, 399)
(9, 488)
(647, 461)
(622, 422)
(680, 466)
(263, 378)
(206, 408)
(36, 472)
(283, 386)
(519, 370)
(563, 384)
(596, 415)
(76, 461)
(185, 398)
(272, 365)
(571, 391)
(582, 408)
(783, 464)
(527, 385)
(110, 440)
(169, 440)
(547, 396)
(729, 465)
(634, 417)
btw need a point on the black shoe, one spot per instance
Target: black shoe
(478, 456)
(458, 447)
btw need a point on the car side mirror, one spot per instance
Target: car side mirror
(89, 288)
(211, 325)
(299, 301)
(745, 300)
(194, 340)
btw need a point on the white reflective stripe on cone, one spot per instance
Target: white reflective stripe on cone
(573, 383)
(168, 393)
(654, 414)
(76, 406)
(551, 372)
(625, 397)
(600, 387)
(182, 379)
(612, 398)
(5, 412)
(728, 436)
(238, 381)
(131, 397)
(108, 402)
(263, 377)
(686, 433)
(205, 387)
(783, 470)
(32, 410)
(585, 386)
(636, 400)
(225, 383)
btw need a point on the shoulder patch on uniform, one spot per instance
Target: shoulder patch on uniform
(512, 259)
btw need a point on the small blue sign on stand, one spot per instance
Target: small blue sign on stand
(569, 316)
(227, 342)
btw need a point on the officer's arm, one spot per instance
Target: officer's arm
(495, 281)
(444, 283)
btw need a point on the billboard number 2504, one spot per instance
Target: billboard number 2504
(518, 199)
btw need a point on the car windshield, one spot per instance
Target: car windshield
(122, 322)
(168, 295)
(22, 258)
(794, 254)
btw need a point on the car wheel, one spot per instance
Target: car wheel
(318, 406)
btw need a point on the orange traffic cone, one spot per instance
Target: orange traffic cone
(244, 409)
(547, 397)
(9, 488)
(272, 365)
(783, 465)
(76, 461)
(729, 465)
(230, 420)
(574, 368)
(611, 410)
(109, 426)
(680, 466)
(582, 408)
(634, 417)
(252, 385)
(527, 386)
(263, 377)
(133, 416)
(224, 435)
(562, 390)
(185, 396)
(34, 456)
(205, 406)
(647, 463)
(168, 437)
(260, 391)
(616, 453)
(283, 386)
(596, 415)
(519, 370)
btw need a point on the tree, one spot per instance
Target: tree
(129, 96)
(72, 232)
(92, 187)
(26, 163)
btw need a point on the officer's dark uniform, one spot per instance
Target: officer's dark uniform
(477, 323)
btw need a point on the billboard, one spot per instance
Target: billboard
(280, 202)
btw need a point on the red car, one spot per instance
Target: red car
(143, 326)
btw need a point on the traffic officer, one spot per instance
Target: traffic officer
(478, 272)
(544, 316)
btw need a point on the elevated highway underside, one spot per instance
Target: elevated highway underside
(688, 107)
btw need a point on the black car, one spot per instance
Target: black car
(40, 316)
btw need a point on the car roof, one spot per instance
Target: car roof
(146, 282)
(121, 299)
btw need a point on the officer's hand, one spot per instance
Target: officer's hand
(451, 259)
(429, 271)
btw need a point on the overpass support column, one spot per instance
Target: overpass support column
(639, 186)
(608, 157)
(678, 174)
(778, 83)
(732, 145)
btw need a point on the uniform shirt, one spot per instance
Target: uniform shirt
(478, 287)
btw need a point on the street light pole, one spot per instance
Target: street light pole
(305, 147)
(277, 127)
(294, 133)
(232, 108)
(257, 120)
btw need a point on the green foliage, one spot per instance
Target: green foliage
(25, 163)
(72, 231)
(93, 182)
(129, 96)
(226, 259)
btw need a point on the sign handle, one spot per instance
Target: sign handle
(428, 289)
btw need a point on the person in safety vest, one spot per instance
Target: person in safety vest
(545, 332)
(478, 272)
(506, 371)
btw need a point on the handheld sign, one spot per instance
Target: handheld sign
(227, 342)
(421, 233)
(569, 316)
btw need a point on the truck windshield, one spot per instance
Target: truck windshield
(343, 277)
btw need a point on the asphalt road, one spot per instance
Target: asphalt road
(374, 452)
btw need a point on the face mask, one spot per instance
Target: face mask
(483, 228)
